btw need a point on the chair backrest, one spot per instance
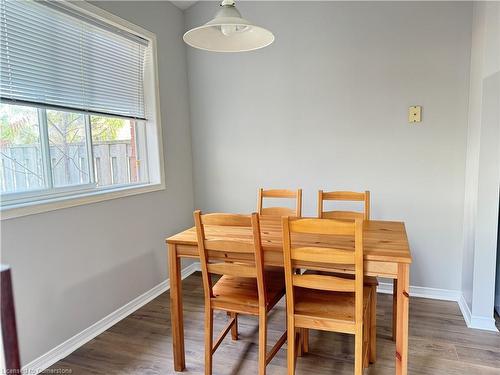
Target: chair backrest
(214, 249)
(296, 255)
(280, 211)
(343, 196)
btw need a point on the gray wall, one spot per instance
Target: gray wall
(74, 266)
(326, 105)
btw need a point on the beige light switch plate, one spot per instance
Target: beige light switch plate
(415, 114)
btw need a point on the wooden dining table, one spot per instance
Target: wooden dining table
(386, 254)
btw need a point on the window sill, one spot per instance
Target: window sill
(52, 204)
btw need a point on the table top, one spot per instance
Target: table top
(384, 241)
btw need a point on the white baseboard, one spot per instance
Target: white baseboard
(464, 308)
(423, 292)
(474, 321)
(67, 347)
(484, 323)
(196, 266)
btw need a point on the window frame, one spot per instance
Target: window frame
(43, 200)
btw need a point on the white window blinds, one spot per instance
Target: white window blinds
(53, 55)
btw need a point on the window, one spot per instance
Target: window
(115, 140)
(78, 110)
(72, 161)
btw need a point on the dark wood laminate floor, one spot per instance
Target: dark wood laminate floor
(440, 343)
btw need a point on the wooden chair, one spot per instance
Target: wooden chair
(280, 211)
(244, 287)
(343, 196)
(369, 281)
(354, 196)
(326, 302)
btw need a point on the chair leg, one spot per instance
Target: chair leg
(300, 342)
(358, 352)
(234, 328)
(209, 331)
(394, 308)
(366, 341)
(305, 340)
(262, 342)
(373, 326)
(291, 347)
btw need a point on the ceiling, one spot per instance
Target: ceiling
(183, 4)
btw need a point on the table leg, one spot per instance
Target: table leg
(403, 305)
(394, 308)
(176, 316)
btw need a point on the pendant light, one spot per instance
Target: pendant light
(228, 32)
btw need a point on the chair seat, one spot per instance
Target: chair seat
(240, 294)
(368, 280)
(333, 306)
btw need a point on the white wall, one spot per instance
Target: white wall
(483, 165)
(326, 105)
(74, 266)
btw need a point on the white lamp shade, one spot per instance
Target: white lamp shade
(228, 32)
